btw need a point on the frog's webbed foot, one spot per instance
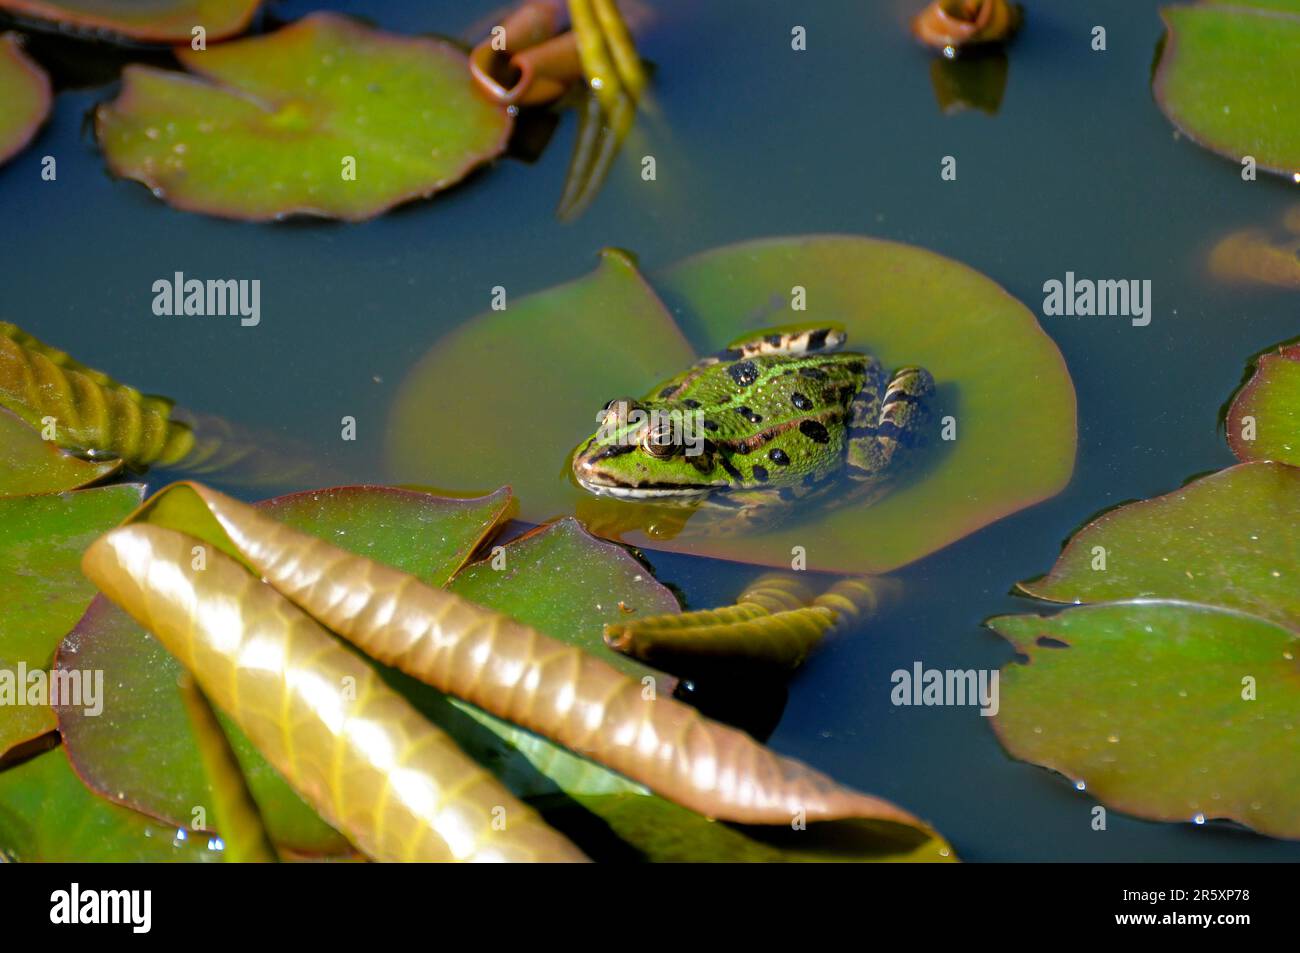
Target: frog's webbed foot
(885, 428)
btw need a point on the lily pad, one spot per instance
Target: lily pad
(1263, 422)
(158, 21)
(42, 591)
(29, 464)
(48, 815)
(516, 375)
(1226, 540)
(1227, 78)
(24, 97)
(455, 646)
(323, 117)
(141, 750)
(1167, 710)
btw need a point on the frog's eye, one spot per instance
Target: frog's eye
(658, 442)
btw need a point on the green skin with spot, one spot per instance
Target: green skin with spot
(769, 422)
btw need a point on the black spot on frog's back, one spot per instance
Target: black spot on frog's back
(743, 373)
(815, 431)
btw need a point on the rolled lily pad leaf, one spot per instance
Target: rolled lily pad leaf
(24, 96)
(490, 660)
(1165, 710)
(323, 117)
(566, 583)
(159, 21)
(1227, 76)
(1001, 380)
(663, 832)
(1264, 420)
(360, 754)
(30, 465)
(48, 815)
(89, 411)
(141, 749)
(1227, 540)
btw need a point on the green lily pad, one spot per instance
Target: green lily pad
(1166, 710)
(1263, 422)
(1227, 78)
(42, 591)
(48, 815)
(158, 21)
(30, 465)
(272, 126)
(24, 97)
(516, 375)
(141, 751)
(1226, 540)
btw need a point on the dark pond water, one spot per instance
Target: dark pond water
(1078, 172)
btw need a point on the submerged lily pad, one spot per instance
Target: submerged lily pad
(29, 464)
(1227, 540)
(1227, 78)
(1167, 710)
(323, 117)
(24, 96)
(1263, 422)
(158, 21)
(523, 394)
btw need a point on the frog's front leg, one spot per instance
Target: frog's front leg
(886, 422)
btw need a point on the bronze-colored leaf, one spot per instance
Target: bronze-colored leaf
(364, 758)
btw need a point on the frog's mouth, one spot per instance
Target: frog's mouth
(653, 491)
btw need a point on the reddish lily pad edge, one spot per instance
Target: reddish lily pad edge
(57, 17)
(10, 46)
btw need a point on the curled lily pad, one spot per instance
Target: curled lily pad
(24, 97)
(141, 750)
(1004, 392)
(323, 117)
(1264, 420)
(1225, 540)
(29, 464)
(1227, 76)
(159, 21)
(498, 664)
(1167, 710)
(86, 409)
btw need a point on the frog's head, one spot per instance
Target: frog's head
(647, 451)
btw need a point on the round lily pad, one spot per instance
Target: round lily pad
(323, 117)
(1227, 78)
(1167, 710)
(1263, 422)
(156, 21)
(24, 97)
(513, 386)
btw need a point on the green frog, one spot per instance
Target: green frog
(769, 422)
